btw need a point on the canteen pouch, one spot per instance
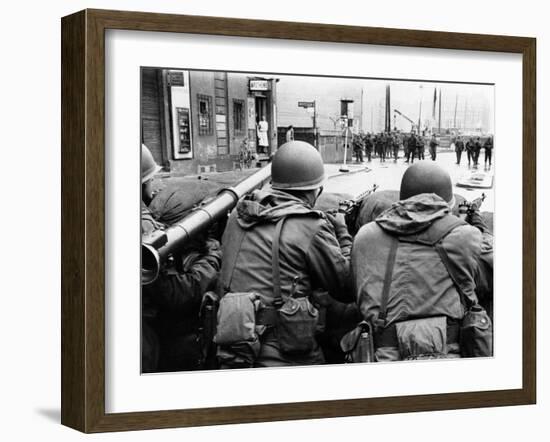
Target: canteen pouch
(237, 318)
(296, 325)
(476, 333)
(358, 345)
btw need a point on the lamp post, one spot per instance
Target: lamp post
(344, 167)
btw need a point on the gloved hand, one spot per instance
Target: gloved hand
(338, 221)
(212, 245)
(475, 219)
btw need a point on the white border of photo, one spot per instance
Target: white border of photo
(127, 390)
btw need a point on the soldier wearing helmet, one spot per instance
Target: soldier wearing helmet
(312, 247)
(418, 269)
(149, 168)
(170, 305)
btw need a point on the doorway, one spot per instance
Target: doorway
(264, 129)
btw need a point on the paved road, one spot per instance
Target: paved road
(388, 177)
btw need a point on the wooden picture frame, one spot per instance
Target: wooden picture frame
(83, 219)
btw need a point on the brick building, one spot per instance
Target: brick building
(197, 121)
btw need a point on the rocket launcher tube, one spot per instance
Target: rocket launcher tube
(158, 246)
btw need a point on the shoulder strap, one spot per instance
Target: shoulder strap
(448, 265)
(231, 252)
(442, 228)
(381, 321)
(275, 259)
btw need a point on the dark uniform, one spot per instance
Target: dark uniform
(381, 147)
(470, 150)
(433, 148)
(368, 147)
(177, 294)
(488, 146)
(420, 147)
(411, 148)
(170, 304)
(459, 147)
(395, 147)
(149, 338)
(358, 148)
(477, 151)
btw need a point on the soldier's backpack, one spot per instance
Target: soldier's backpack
(475, 330)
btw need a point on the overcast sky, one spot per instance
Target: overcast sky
(474, 104)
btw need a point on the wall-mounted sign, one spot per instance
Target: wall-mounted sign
(184, 129)
(258, 85)
(175, 78)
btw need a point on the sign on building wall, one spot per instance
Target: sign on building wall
(184, 130)
(178, 84)
(258, 85)
(175, 78)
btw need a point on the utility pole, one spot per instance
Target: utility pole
(372, 118)
(315, 141)
(465, 113)
(420, 111)
(387, 116)
(362, 116)
(456, 104)
(439, 125)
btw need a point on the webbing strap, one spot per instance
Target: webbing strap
(275, 259)
(231, 253)
(449, 266)
(381, 322)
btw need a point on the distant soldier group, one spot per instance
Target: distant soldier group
(473, 150)
(291, 286)
(415, 145)
(384, 145)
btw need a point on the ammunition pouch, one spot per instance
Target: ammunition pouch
(358, 344)
(237, 332)
(297, 321)
(237, 318)
(476, 333)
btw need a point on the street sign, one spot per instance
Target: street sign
(306, 104)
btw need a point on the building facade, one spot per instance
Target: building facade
(198, 121)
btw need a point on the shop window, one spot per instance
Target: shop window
(205, 114)
(238, 116)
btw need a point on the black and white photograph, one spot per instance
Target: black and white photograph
(291, 220)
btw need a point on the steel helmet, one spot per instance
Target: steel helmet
(426, 177)
(297, 165)
(149, 168)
